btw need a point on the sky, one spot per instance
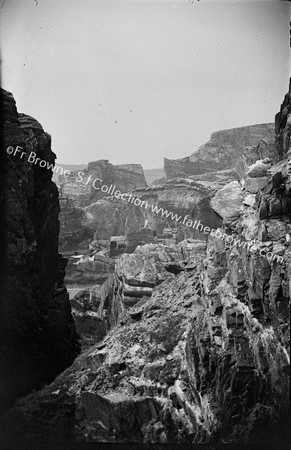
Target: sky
(137, 81)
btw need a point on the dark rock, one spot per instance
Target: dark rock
(215, 370)
(37, 329)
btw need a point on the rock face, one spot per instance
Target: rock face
(197, 335)
(191, 184)
(85, 186)
(38, 338)
(75, 230)
(224, 149)
(178, 198)
(85, 309)
(228, 200)
(98, 309)
(89, 269)
(188, 364)
(113, 217)
(283, 125)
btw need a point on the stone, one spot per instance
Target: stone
(81, 185)
(85, 310)
(223, 150)
(89, 269)
(249, 200)
(228, 200)
(216, 370)
(254, 185)
(38, 336)
(258, 170)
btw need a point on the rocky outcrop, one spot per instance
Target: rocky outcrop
(85, 186)
(228, 200)
(135, 277)
(197, 335)
(188, 364)
(224, 149)
(283, 125)
(191, 184)
(38, 338)
(90, 325)
(89, 269)
(98, 222)
(76, 231)
(113, 217)
(178, 198)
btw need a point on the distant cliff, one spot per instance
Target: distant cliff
(224, 149)
(80, 185)
(38, 338)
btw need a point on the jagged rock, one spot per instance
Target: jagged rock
(85, 186)
(223, 151)
(228, 153)
(111, 217)
(258, 170)
(205, 357)
(85, 310)
(76, 231)
(228, 200)
(180, 197)
(118, 245)
(140, 237)
(38, 338)
(249, 200)
(254, 185)
(283, 125)
(147, 266)
(275, 200)
(89, 269)
(178, 375)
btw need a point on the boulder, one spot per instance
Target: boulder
(228, 200)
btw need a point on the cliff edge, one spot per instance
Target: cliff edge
(38, 338)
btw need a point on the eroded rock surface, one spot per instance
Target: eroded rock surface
(224, 149)
(197, 335)
(189, 364)
(85, 186)
(90, 325)
(135, 277)
(38, 338)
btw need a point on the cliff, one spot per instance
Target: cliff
(80, 185)
(38, 338)
(224, 149)
(283, 125)
(197, 335)
(187, 360)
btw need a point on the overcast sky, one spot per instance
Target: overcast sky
(134, 81)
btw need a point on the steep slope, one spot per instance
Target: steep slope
(199, 354)
(38, 337)
(185, 365)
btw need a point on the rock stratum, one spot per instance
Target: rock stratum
(188, 188)
(38, 338)
(85, 186)
(191, 339)
(224, 149)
